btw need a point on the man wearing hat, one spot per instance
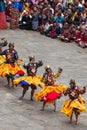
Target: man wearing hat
(48, 76)
(75, 104)
(10, 68)
(51, 91)
(32, 79)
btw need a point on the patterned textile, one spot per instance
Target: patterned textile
(3, 24)
(11, 70)
(69, 105)
(36, 80)
(57, 88)
(2, 59)
(14, 18)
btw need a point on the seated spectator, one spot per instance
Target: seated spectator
(54, 30)
(26, 21)
(67, 31)
(77, 37)
(83, 42)
(59, 19)
(7, 11)
(44, 19)
(35, 18)
(15, 14)
(47, 28)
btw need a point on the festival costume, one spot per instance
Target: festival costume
(31, 78)
(3, 24)
(69, 105)
(75, 101)
(54, 90)
(2, 59)
(10, 67)
(28, 80)
(51, 91)
(11, 70)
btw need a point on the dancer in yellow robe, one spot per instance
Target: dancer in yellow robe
(10, 67)
(75, 103)
(51, 91)
(32, 79)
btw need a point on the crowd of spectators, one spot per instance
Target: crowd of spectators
(62, 19)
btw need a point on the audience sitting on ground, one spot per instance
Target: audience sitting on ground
(53, 18)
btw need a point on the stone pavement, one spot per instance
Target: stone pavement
(26, 115)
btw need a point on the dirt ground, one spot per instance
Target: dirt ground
(26, 115)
